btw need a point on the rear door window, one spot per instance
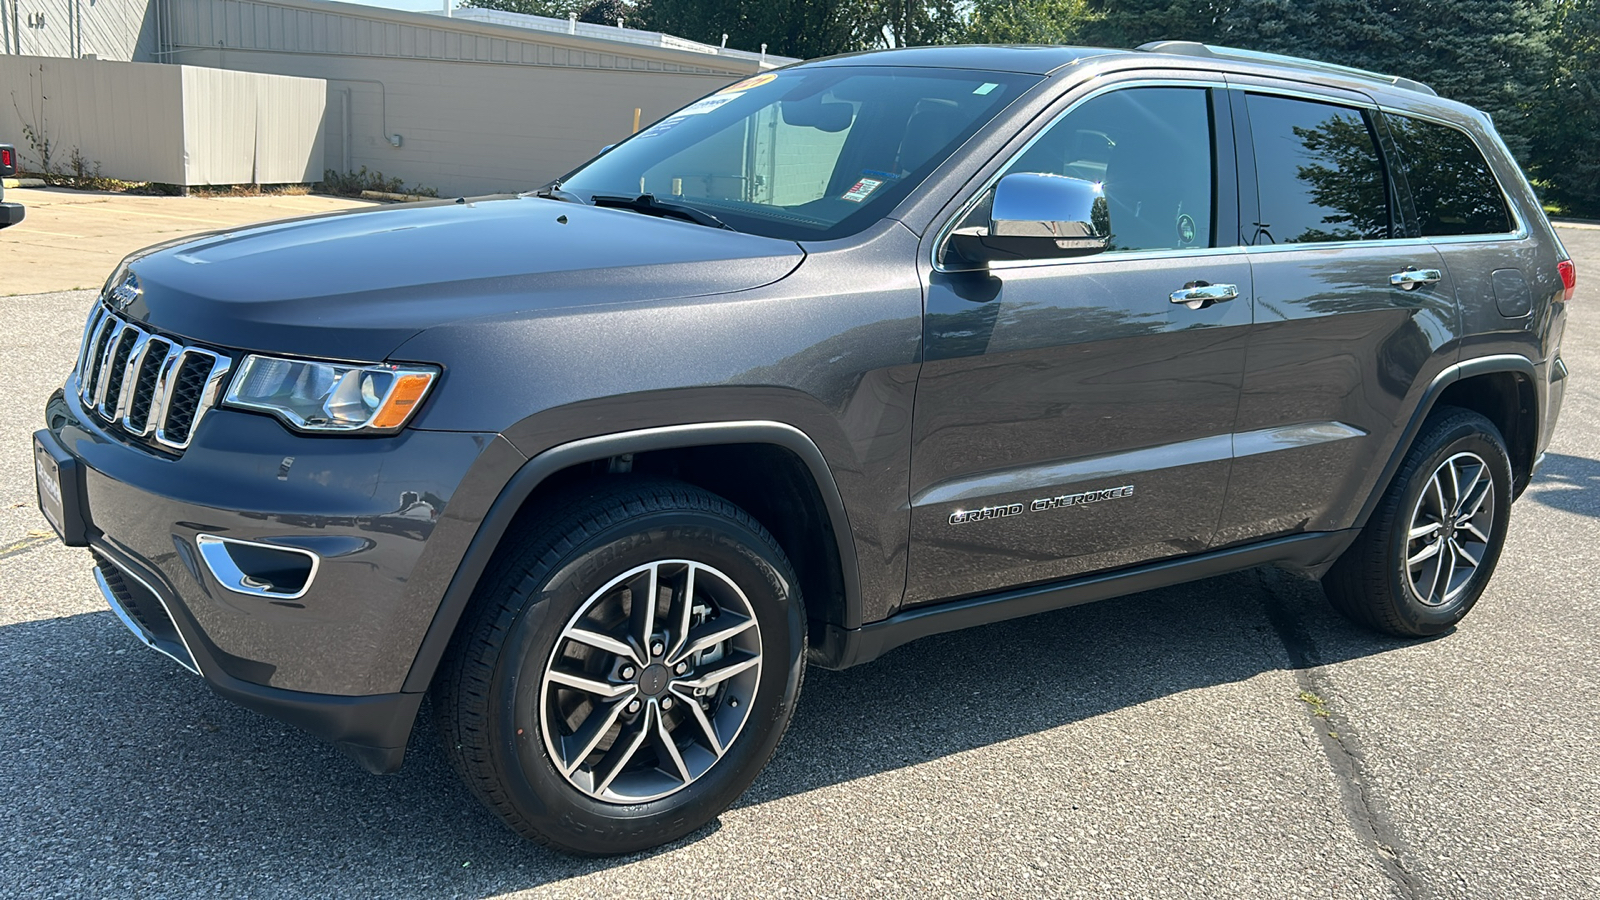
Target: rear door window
(1452, 188)
(1319, 174)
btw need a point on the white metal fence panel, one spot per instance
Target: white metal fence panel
(123, 120)
(182, 125)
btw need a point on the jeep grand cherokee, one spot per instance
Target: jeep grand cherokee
(840, 356)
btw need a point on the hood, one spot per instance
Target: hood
(357, 285)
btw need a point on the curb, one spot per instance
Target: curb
(24, 182)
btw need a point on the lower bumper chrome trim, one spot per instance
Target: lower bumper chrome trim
(179, 653)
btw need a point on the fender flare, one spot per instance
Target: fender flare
(532, 473)
(1467, 368)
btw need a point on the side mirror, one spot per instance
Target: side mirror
(1038, 216)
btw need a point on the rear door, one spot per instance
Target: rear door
(1503, 277)
(1352, 312)
(1070, 416)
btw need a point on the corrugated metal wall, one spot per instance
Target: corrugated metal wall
(121, 30)
(170, 124)
(288, 27)
(478, 108)
(245, 128)
(472, 129)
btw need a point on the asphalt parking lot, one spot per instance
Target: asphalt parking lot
(1227, 738)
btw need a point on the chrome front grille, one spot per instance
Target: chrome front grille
(150, 387)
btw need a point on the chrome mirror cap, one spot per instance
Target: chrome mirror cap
(1069, 212)
(1033, 215)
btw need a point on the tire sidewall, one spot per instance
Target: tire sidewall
(1472, 435)
(554, 806)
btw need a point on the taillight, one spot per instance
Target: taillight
(6, 162)
(1569, 278)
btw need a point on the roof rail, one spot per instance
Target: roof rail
(1195, 48)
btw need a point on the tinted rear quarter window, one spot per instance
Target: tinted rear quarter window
(1319, 175)
(1452, 188)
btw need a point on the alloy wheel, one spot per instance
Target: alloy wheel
(1450, 529)
(650, 682)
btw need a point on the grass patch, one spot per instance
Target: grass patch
(351, 184)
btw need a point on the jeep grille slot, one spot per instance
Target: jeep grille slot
(148, 386)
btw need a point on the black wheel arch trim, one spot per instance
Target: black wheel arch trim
(532, 473)
(1467, 368)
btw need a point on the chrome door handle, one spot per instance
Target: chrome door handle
(1199, 294)
(1410, 279)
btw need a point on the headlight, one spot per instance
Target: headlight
(331, 397)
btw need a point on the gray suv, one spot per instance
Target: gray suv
(840, 356)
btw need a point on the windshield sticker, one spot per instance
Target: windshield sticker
(748, 83)
(985, 88)
(703, 106)
(863, 189)
(660, 128)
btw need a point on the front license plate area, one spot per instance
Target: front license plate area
(58, 480)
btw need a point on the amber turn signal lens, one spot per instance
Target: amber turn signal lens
(402, 401)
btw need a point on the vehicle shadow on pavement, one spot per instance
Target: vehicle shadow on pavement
(122, 774)
(1568, 483)
(955, 692)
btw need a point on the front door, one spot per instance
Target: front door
(1070, 416)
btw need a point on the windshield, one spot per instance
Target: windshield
(810, 154)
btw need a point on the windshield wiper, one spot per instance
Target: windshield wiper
(648, 204)
(554, 192)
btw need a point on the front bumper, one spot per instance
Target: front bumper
(11, 214)
(376, 513)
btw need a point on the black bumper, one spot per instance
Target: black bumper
(332, 661)
(11, 214)
(372, 729)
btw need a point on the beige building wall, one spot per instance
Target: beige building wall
(478, 108)
(171, 124)
(119, 30)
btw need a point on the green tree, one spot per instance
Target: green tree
(1129, 23)
(1493, 54)
(888, 23)
(788, 27)
(1029, 21)
(1566, 119)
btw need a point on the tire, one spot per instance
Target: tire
(553, 713)
(1407, 586)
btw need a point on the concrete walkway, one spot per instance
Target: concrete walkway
(72, 239)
